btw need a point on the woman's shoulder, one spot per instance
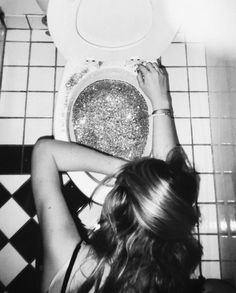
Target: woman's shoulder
(82, 267)
(218, 286)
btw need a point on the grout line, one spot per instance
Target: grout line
(213, 164)
(3, 55)
(26, 101)
(27, 19)
(192, 146)
(54, 88)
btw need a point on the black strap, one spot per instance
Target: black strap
(70, 267)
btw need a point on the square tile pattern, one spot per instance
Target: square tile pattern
(32, 69)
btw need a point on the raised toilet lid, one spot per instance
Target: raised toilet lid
(110, 29)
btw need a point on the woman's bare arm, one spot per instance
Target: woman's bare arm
(153, 80)
(59, 232)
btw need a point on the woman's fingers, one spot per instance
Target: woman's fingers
(150, 67)
(140, 78)
(143, 69)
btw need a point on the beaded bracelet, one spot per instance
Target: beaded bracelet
(162, 112)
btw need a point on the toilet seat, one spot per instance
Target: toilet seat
(119, 30)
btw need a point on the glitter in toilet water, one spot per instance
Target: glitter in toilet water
(111, 116)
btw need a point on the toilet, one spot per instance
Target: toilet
(102, 40)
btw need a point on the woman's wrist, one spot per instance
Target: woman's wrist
(163, 103)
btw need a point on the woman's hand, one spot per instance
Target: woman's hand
(153, 80)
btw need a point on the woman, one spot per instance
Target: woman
(144, 242)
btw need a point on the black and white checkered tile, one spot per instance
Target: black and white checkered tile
(20, 243)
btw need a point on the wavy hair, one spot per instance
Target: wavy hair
(146, 228)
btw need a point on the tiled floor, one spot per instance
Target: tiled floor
(31, 76)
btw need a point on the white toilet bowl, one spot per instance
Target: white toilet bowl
(98, 38)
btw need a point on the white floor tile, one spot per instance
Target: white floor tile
(197, 79)
(18, 35)
(13, 182)
(12, 104)
(13, 264)
(14, 78)
(174, 55)
(36, 128)
(36, 22)
(42, 54)
(16, 22)
(41, 79)
(11, 131)
(39, 104)
(178, 79)
(12, 218)
(40, 36)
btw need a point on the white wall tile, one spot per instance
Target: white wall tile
(12, 104)
(61, 61)
(18, 35)
(208, 220)
(210, 247)
(201, 131)
(211, 269)
(178, 79)
(36, 128)
(180, 103)
(207, 188)
(12, 218)
(203, 158)
(39, 104)
(196, 54)
(41, 79)
(16, 53)
(199, 105)
(174, 55)
(60, 71)
(42, 54)
(183, 130)
(189, 152)
(14, 78)
(13, 264)
(11, 131)
(197, 79)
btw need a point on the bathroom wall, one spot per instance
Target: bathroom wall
(32, 70)
(222, 100)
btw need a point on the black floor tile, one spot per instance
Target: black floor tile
(27, 153)
(27, 241)
(10, 158)
(4, 195)
(24, 197)
(26, 282)
(3, 240)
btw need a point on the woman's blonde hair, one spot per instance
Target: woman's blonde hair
(146, 228)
